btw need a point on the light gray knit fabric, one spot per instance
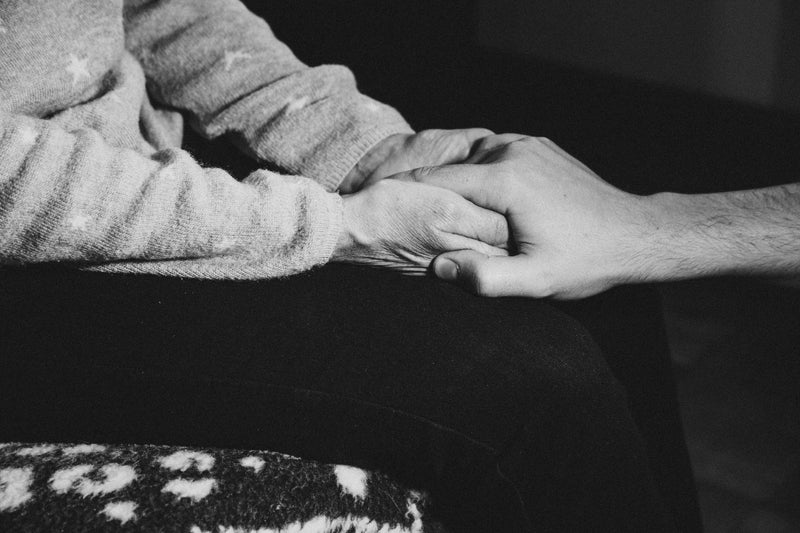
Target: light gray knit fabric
(92, 99)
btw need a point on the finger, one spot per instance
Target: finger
(474, 134)
(459, 242)
(485, 275)
(470, 181)
(459, 143)
(490, 143)
(481, 224)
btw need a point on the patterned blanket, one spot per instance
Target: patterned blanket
(91, 487)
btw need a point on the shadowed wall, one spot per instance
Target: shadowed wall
(741, 49)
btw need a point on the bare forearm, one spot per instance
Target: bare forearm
(755, 232)
(576, 235)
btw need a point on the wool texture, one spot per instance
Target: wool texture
(93, 97)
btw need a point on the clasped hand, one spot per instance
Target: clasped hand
(404, 226)
(518, 217)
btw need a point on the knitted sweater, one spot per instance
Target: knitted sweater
(93, 94)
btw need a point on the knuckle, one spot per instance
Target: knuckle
(482, 144)
(413, 174)
(515, 148)
(540, 284)
(485, 142)
(481, 132)
(481, 281)
(420, 173)
(446, 210)
(482, 287)
(439, 210)
(430, 135)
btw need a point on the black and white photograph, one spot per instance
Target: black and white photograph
(400, 266)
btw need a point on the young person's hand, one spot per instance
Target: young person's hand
(574, 234)
(401, 152)
(403, 226)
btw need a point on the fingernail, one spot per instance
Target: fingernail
(446, 269)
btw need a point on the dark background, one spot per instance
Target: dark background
(686, 96)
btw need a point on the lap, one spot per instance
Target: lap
(343, 364)
(410, 344)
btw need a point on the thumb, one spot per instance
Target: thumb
(482, 274)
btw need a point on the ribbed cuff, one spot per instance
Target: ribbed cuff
(326, 231)
(345, 155)
(325, 141)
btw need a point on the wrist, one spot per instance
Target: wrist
(674, 249)
(347, 242)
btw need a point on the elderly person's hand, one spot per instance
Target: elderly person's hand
(574, 234)
(403, 226)
(401, 152)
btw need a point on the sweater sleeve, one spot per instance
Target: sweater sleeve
(71, 197)
(221, 64)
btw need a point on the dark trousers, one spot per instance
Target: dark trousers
(505, 409)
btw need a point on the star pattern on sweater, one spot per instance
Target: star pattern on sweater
(225, 244)
(78, 68)
(232, 56)
(28, 135)
(295, 104)
(79, 222)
